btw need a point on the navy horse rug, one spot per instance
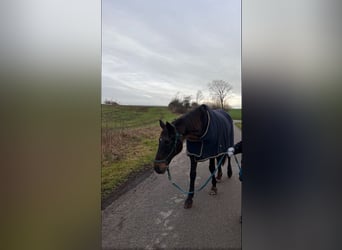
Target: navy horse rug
(217, 138)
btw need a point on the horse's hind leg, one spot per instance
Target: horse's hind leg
(213, 190)
(188, 201)
(219, 169)
(229, 168)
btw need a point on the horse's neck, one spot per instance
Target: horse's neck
(190, 126)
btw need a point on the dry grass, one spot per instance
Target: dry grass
(124, 152)
(118, 145)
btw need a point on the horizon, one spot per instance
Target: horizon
(157, 106)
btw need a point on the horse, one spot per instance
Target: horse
(208, 134)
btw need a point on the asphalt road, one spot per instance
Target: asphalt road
(151, 215)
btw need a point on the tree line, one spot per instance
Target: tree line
(219, 90)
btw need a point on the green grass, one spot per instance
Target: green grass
(118, 117)
(129, 141)
(235, 114)
(118, 172)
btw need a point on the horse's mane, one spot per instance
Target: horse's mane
(194, 122)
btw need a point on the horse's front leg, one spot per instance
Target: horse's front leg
(219, 169)
(213, 190)
(219, 174)
(188, 201)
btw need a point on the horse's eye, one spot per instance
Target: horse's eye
(164, 140)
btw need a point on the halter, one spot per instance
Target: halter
(178, 135)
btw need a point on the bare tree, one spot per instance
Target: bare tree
(199, 96)
(220, 90)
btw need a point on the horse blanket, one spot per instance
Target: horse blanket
(217, 138)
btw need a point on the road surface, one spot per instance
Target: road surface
(151, 215)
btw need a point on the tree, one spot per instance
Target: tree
(180, 106)
(220, 90)
(111, 102)
(175, 105)
(199, 96)
(186, 102)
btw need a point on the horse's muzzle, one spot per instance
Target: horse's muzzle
(160, 168)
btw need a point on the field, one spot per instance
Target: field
(130, 140)
(235, 114)
(119, 117)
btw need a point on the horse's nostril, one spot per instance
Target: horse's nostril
(160, 169)
(157, 169)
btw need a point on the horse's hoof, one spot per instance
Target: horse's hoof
(213, 191)
(229, 174)
(188, 204)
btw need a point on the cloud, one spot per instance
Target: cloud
(153, 50)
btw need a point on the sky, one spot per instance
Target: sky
(153, 50)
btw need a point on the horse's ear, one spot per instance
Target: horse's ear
(162, 124)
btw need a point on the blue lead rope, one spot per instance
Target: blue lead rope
(203, 186)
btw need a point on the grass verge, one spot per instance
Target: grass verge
(239, 124)
(136, 150)
(235, 114)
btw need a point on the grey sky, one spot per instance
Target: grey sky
(153, 49)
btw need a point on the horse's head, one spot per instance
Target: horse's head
(170, 144)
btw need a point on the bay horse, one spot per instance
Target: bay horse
(208, 134)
